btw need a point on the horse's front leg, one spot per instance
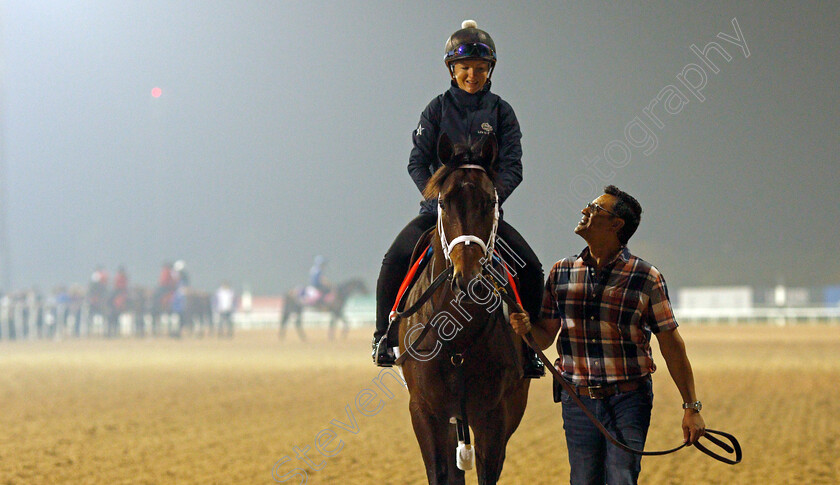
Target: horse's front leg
(490, 442)
(345, 328)
(331, 328)
(281, 331)
(437, 446)
(299, 326)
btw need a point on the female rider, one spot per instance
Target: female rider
(467, 110)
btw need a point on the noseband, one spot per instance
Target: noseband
(469, 238)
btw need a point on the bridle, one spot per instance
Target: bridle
(467, 239)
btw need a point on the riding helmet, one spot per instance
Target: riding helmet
(469, 43)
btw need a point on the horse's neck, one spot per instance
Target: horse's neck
(446, 299)
(345, 290)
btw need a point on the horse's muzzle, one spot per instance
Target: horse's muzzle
(461, 280)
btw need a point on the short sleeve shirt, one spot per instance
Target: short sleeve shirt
(606, 317)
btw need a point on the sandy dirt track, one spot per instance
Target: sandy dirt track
(229, 412)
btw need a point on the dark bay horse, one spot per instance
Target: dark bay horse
(332, 303)
(469, 367)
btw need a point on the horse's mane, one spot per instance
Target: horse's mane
(463, 153)
(434, 184)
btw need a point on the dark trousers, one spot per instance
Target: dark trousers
(396, 263)
(595, 461)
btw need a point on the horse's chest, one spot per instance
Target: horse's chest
(446, 385)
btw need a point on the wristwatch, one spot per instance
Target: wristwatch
(696, 405)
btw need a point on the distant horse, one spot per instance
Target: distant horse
(98, 308)
(161, 306)
(194, 307)
(332, 303)
(139, 305)
(118, 303)
(468, 366)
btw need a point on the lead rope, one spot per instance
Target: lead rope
(529, 339)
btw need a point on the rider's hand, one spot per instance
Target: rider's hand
(520, 322)
(693, 426)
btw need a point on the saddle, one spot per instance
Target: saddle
(410, 278)
(421, 245)
(310, 296)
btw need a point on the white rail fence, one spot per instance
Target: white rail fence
(759, 315)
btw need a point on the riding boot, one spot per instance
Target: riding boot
(383, 354)
(386, 292)
(394, 266)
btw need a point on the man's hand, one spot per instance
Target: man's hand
(693, 426)
(521, 323)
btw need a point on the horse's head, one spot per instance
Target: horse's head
(356, 285)
(467, 205)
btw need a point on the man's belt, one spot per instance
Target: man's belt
(603, 391)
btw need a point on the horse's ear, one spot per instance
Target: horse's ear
(444, 149)
(489, 151)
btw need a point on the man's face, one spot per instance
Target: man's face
(599, 220)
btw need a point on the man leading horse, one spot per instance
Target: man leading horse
(605, 303)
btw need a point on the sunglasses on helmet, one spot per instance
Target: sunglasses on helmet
(472, 50)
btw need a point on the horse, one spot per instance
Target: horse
(193, 306)
(472, 372)
(161, 306)
(332, 303)
(98, 308)
(140, 303)
(118, 303)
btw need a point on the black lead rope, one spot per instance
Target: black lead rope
(734, 448)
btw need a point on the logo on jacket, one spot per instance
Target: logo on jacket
(486, 129)
(420, 129)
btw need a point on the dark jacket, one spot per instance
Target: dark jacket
(462, 115)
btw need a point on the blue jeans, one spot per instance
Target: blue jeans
(595, 461)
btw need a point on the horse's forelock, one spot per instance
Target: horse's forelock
(462, 154)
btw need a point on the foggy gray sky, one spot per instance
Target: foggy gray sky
(283, 132)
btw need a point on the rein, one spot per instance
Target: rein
(443, 276)
(529, 339)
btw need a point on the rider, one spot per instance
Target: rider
(119, 296)
(467, 110)
(182, 278)
(98, 286)
(166, 284)
(317, 287)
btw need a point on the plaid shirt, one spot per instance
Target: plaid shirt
(606, 317)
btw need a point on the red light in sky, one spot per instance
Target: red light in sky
(156, 92)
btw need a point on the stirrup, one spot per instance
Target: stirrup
(383, 356)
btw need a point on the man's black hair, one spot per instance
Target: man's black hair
(628, 209)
